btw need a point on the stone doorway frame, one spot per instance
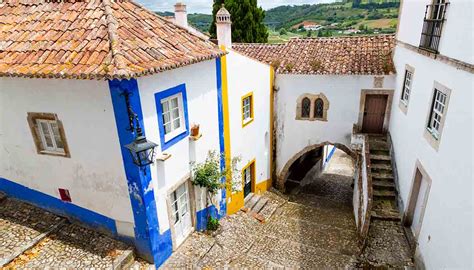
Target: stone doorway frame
(413, 198)
(363, 96)
(283, 175)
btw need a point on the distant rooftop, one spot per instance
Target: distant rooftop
(351, 55)
(92, 39)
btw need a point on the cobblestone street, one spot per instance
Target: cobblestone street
(312, 229)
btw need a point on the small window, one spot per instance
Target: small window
(48, 134)
(305, 108)
(247, 109)
(318, 108)
(437, 113)
(172, 115)
(407, 87)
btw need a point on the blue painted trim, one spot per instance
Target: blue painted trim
(201, 217)
(331, 154)
(148, 241)
(55, 205)
(220, 113)
(164, 94)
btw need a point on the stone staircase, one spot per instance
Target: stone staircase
(384, 205)
(32, 238)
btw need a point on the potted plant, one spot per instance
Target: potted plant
(195, 130)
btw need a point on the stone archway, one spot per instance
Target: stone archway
(283, 175)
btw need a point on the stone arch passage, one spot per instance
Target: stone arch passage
(285, 172)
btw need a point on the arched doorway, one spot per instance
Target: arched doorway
(297, 167)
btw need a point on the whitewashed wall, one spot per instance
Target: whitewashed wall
(456, 38)
(343, 93)
(448, 215)
(94, 174)
(201, 90)
(252, 141)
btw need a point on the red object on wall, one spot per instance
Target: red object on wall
(65, 196)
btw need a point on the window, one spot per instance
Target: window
(173, 120)
(172, 111)
(318, 108)
(433, 24)
(407, 87)
(312, 107)
(48, 134)
(305, 108)
(437, 114)
(247, 109)
(437, 110)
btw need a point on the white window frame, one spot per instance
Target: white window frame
(247, 109)
(438, 109)
(407, 85)
(45, 148)
(182, 124)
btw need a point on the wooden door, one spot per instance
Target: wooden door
(374, 113)
(248, 178)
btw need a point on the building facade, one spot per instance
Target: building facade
(432, 121)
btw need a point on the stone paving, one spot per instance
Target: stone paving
(44, 241)
(313, 229)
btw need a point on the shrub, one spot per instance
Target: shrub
(212, 224)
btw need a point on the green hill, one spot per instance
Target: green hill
(339, 18)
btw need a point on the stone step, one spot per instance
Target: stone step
(381, 167)
(377, 145)
(380, 157)
(383, 185)
(252, 201)
(384, 194)
(379, 152)
(386, 215)
(260, 204)
(382, 176)
(248, 198)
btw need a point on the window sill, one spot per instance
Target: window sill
(163, 157)
(50, 153)
(432, 139)
(247, 122)
(403, 106)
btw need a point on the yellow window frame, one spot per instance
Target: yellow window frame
(245, 122)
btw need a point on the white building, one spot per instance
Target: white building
(432, 129)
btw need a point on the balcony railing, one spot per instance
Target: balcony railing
(432, 26)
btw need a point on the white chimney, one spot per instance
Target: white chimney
(224, 28)
(180, 15)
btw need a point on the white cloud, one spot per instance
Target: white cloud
(204, 6)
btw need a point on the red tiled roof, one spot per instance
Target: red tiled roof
(355, 55)
(92, 39)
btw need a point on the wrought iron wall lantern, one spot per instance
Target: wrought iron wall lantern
(142, 150)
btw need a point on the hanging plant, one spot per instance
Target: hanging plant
(209, 175)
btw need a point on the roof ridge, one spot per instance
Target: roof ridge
(117, 56)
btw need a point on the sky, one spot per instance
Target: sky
(204, 6)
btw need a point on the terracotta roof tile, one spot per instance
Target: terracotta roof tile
(355, 55)
(92, 39)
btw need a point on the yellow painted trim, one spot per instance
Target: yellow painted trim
(263, 186)
(253, 180)
(235, 201)
(272, 99)
(245, 123)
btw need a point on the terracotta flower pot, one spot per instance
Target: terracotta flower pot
(195, 130)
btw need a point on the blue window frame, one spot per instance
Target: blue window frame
(172, 110)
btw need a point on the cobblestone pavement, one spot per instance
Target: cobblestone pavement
(313, 229)
(38, 239)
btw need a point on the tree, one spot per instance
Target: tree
(283, 32)
(247, 20)
(310, 33)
